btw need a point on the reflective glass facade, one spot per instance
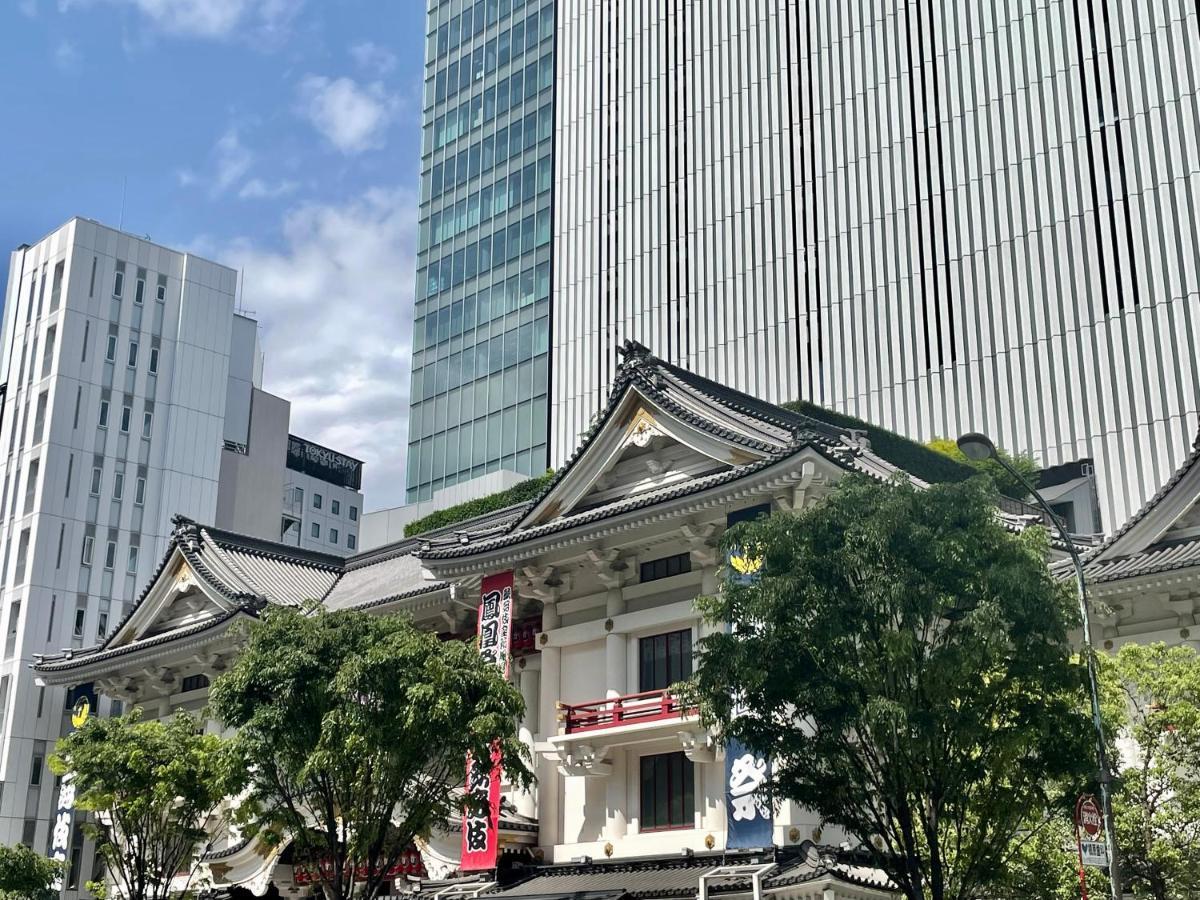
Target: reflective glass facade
(481, 316)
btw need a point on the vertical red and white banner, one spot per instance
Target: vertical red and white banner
(481, 831)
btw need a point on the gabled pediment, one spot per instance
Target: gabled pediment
(642, 445)
(1170, 517)
(177, 598)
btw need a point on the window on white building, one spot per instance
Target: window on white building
(103, 414)
(110, 555)
(139, 290)
(132, 563)
(97, 477)
(335, 507)
(88, 543)
(80, 615)
(139, 492)
(351, 541)
(133, 353)
(667, 792)
(118, 485)
(664, 659)
(147, 424)
(153, 361)
(333, 535)
(126, 415)
(666, 567)
(353, 513)
(110, 351)
(118, 283)
(316, 501)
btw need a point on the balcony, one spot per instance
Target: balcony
(629, 709)
(589, 731)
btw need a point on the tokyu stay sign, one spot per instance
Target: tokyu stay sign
(1089, 833)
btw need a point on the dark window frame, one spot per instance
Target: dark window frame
(667, 790)
(665, 567)
(664, 659)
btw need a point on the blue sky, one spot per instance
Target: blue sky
(277, 136)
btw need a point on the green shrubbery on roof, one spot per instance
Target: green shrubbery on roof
(911, 456)
(518, 493)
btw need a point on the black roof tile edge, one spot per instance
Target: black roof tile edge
(603, 512)
(1147, 507)
(86, 657)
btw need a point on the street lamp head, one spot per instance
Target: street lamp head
(976, 447)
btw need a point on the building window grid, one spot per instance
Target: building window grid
(502, 429)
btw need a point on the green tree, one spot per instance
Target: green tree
(27, 875)
(1001, 478)
(356, 729)
(157, 788)
(919, 689)
(1157, 806)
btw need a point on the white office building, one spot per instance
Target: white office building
(131, 394)
(935, 217)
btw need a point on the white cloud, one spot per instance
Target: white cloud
(335, 305)
(374, 58)
(208, 18)
(66, 56)
(257, 189)
(232, 160)
(352, 117)
(28, 8)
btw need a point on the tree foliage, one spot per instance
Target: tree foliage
(356, 729)
(27, 875)
(156, 788)
(1157, 806)
(1001, 478)
(920, 690)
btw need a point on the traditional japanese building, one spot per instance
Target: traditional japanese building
(1145, 580)
(593, 584)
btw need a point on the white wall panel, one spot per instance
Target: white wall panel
(936, 217)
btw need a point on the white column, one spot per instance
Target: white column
(615, 644)
(549, 787)
(709, 585)
(528, 680)
(616, 797)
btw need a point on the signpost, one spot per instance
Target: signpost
(1089, 838)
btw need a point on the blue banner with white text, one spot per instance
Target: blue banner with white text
(749, 818)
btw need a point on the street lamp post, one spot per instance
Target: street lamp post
(978, 447)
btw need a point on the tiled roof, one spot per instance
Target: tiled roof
(679, 876)
(390, 577)
(79, 658)
(1157, 558)
(1100, 566)
(630, 504)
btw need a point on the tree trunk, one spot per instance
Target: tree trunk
(912, 860)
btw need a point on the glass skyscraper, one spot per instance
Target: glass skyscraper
(482, 307)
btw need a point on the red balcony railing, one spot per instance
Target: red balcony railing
(648, 706)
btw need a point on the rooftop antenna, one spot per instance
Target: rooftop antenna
(124, 185)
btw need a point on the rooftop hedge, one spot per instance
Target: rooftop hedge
(518, 493)
(911, 456)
